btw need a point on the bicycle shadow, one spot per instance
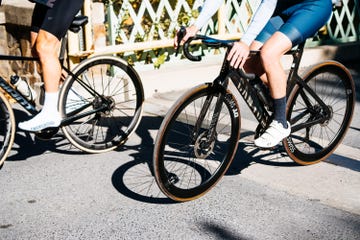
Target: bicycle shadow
(135, 179)
(26, 145)
(248, 154)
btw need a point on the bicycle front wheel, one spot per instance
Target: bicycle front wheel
(187, 161)
(312, 143)
(7, 128)
(101, 103)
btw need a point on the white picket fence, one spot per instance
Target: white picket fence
(239, 16)
(147, 29)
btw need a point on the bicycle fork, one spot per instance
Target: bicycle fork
(204, 140)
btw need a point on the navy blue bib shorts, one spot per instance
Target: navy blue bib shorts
(297, 19)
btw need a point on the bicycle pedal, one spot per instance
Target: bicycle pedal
(269, 148)
(276, 147)
(47, 133)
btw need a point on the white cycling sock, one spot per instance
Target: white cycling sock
(48, 117)
(50, 101)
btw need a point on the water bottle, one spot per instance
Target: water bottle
(23, 87)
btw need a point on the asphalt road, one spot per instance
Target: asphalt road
(50, 190)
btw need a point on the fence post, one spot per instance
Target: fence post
(87, 9)
(112, 23)
(221, 19)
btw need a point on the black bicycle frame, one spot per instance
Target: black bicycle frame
(293, 80)
(30, 106)
(251, 98)
(26, 104)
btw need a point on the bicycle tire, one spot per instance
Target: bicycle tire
(7, 128)
(333, 83)
(185, 169)
(119, 89)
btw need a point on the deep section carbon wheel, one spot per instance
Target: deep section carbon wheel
(101, 103)
(317, 130)
(191, 152)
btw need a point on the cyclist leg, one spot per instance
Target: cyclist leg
(38, 16)
(270, 54)
(49, 27)
(254, 64)
(291, 33)
(47, 46)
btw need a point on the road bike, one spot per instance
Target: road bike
(199, 135)
(100, 101)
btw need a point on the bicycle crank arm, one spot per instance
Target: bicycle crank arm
(298, 127)
(71, 119)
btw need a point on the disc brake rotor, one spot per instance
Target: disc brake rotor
(203, 146)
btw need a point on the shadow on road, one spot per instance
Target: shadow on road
(221, 231)
(135, 179)
(26, 145)
(248, 154)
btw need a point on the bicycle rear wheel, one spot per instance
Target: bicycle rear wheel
(333, 83)
(7, 128)
(186, 162)
(101, 103)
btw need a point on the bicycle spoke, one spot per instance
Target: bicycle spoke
(325, 125)
(193, 155)
(115, 96)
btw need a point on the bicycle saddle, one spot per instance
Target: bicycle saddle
(78, 22)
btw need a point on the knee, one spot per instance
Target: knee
(46, 49)
(268, 56)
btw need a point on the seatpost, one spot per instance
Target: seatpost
(297, 55)
(63, 49)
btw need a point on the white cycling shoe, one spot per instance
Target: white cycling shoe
(273, 135)
(41, 121)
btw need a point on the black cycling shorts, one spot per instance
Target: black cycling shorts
(297, 19)
(55, 20)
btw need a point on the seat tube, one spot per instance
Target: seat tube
(251, 98)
